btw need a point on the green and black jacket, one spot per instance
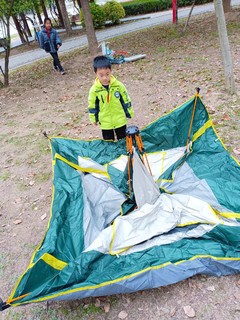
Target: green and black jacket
(111, 107)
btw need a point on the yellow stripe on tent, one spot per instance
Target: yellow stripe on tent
(127, 277)
(53, 262)
(77, 167)
(202, 130)
(229, 214)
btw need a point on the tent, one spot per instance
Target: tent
(181, 220)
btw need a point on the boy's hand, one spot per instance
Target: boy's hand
(58, 46)
(95, 123)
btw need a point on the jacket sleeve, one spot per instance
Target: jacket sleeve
(58, 39)
(41, 40)
(126, 102)
(93, 106)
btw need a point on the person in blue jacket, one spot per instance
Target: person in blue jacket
(51, 42)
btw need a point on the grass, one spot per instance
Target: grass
(91, 309)
(5, 176)
(43, 177)
(2, 266)
(42, 146)
(20, 184)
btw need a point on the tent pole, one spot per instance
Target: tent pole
(133, 137)
(192, 118)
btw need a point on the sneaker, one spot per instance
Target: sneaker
(56, 69)
(63, 72)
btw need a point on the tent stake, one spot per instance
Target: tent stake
(3, 305)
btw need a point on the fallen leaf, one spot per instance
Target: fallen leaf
(106, 307)
(211, 288)
(97, 303)
(44, 216)
(236, 151)
(173, 312)
(226, 117)
(122, 315)
(237, 296)
(31, 183)
(211, 109)
(189, 311)
(17, 221)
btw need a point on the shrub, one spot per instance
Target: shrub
(98, 16)
(114, 11)
(147, 6)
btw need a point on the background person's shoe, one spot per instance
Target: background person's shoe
(56, 69)
(63, 72)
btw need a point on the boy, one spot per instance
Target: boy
(50, 41)
(108, 102)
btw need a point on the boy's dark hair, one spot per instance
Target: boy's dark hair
(101, 62)
(45, 20)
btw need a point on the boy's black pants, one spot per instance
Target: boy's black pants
(56, 62)
(109, 134)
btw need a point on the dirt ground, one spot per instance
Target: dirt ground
(39, 99)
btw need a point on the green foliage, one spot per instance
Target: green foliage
(9, 7)
(98, 16)
(114, 11)
(136, 7)
(145, 6)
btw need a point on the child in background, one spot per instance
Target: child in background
(51, 42)
(108, 103)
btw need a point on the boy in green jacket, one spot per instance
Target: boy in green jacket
(108, 103)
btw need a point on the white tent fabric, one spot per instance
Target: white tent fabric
(159, 161)
(155, 215)
(145, 188)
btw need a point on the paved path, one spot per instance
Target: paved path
(147, 20)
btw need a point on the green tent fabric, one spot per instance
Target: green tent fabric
(92, 246)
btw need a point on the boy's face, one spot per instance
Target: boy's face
(48, 25)
(104, 76)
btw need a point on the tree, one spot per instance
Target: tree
(6, 10)
(91, 35)
(64, 13)
(225, 47)
(227, 5)
(36, 8)
(44, 8)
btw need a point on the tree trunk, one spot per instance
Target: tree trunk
(26, 27)
(38, 14)
(7, 53)
(91, 35)
(19, 29)
(6, 67)
(60, 17)
(79, 3)
(64, 13)
(227, 5)
(189, 16)
(44, 8)
(225, 47)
